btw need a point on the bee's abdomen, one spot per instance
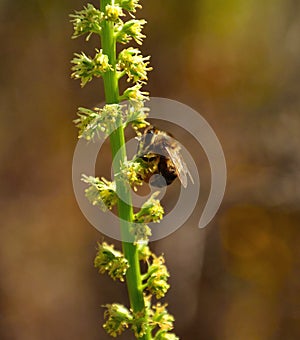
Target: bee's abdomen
(166, 169)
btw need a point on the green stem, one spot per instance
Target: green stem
(117, 142)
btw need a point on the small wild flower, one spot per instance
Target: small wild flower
(130, 30)
(118, 319)
(129, 5)
(134, 65)
(147, 320)
(144, 252)
(140, 232)
(112, 261)
(134, 94)
(101, 193)
(85, 68)
(87, 21)
(151, 211)
(157, 277)
(92, 123)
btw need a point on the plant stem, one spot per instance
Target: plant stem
(117, 142)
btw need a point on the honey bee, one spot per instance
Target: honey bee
(161, 153)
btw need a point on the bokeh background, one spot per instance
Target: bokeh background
(238, 63)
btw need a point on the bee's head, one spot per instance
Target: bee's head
(151, 130)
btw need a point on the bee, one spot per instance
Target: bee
(161, 153)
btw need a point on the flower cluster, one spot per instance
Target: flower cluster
(130, 61)
(132, 171)
(151, 211)
(101, 193)
(88, 123)
(156, 277)
(113, 13)
(135, 94)
(87, 21)
(92, 123)
(136, 113)
(85, 67)
(129, 5)
(90, 20)
(164, 321)
(137, 171)
(118, 318)
(133, 64)
(132, 29)
(144, 252)
(112, 261)
(140, 232)
(143, 318)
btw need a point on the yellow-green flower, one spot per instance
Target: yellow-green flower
(87, 21)
(118, 319)
(151, 211)
(135, 94)
(85, 67)
(134, 64)
(157, 277)
(113, 12)
(111, 261)
(129, 5)
(101, 193)
(132, 29)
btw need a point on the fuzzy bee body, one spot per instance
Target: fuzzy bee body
(162, 153)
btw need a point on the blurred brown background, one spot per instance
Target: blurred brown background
(238, 63)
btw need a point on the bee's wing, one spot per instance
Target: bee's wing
(179, 163)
